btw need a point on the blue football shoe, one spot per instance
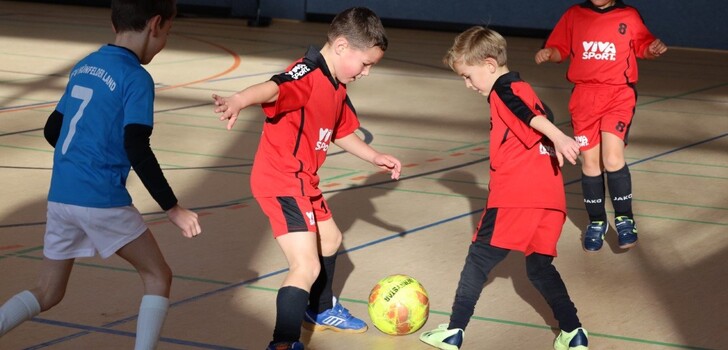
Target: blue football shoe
(296, 345)
(594, 235)
(336, 319)
(626, 232)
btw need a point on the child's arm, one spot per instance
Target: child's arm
(354, 145)
(548, 54)
(52, 128)
(655, 49)
(565, 146)
(145, 164)
(256, 94)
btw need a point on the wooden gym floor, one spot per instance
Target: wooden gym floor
(667, 293)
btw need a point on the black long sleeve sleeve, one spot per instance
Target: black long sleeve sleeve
(52, 129)
(145, 164)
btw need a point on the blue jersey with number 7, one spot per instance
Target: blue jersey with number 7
(106, 91)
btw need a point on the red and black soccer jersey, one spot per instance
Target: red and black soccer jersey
(603, 45)
(311, 111)
(524, 172)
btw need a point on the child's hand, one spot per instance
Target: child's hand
(657, 48)
(543, 55)
(186, 220)
(566, 147)
(389, 163)
(229, 107)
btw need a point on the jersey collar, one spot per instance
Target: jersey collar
(617, 5)
(505, 80)
(314, 56)
(121, 49)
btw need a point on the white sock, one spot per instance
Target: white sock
(152, 312)
(18, 309)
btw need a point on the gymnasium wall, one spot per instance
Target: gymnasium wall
(679, 23)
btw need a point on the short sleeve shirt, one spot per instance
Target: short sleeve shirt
(106, 91)
(524, 172)
(603, 45)
(312, 110)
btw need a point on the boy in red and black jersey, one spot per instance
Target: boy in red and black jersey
(603, 39)
(307, 108)
(526, 206)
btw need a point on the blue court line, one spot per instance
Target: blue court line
(359, 247)
(90, 329)
(663, 154)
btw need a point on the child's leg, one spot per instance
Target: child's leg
(321, 296)
(592, 184)
(301, 251)
(592, 189)
(144, 254)
(620, 190)
(49, 291)
(324, 312)
(482, 257)
(543, 276)
(618, 176)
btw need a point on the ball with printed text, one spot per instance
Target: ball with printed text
(398, 305)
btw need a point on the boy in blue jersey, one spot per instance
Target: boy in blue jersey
(100, 128)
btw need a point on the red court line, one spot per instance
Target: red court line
(235, 65)
(10, 247)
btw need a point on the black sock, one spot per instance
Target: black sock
(592, 188)
(620, 191)
(321, 297)
(290, 306)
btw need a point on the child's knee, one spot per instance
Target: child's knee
(613, 162)
(307, 269)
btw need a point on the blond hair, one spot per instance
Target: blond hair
(476, 44)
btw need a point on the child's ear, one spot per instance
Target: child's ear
(340, 44)
(491, 64)
(155, 25)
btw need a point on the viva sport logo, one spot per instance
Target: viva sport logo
(323, 140)
(599, 50)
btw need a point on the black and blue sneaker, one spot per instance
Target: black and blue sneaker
(336, 319)
(443, 338)
(626, 232)
(574, 340)
(594, 235)
(296, 345)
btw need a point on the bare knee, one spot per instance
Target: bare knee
(158, 280)
(591, 163)
(305, 271)
(613, 162)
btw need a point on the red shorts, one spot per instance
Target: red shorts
(294, 214)
(527, 230)
(601, 108)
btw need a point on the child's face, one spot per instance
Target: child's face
(355, 63)
(479, 78)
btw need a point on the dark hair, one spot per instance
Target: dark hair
(133, 15)
(361, 27)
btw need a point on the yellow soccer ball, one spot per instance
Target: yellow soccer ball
(398, 305)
